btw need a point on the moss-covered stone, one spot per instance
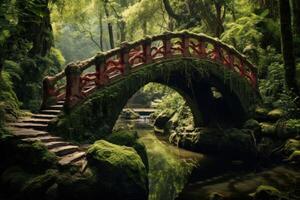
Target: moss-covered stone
(119, 170)
(38, 158)
(261, 113)
(130, 139)
(234, 143)
(268, 129)
(37, 187)
(276, 114)
(265, 192)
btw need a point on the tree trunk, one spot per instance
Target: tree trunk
(100, 29)
(110, 27)
(287, 46)
(170, 11)
(122, 31)
(296, 17)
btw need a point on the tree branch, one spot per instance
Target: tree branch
(170, 10)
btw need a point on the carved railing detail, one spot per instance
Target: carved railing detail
(119, 62)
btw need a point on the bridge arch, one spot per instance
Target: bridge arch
(189, 63)
(193, 79)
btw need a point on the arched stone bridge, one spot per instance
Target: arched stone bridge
(195, 65)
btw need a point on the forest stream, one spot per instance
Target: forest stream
(176, 173)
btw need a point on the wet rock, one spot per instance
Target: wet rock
(290, 146)
(118, 168)
(294, 157)
(128, 113)
(163, 118)
(276, 114)
(216, 196)
(261, 113)
(265, 192)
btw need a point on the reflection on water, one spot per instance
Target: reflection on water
(169, 166)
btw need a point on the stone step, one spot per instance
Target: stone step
(43, 139)
(64, 150)
(43, 116)
(81, 163)
(27, 133)
(51, 145)
(60, 102)
(50, 112)
(72, 158)
(35, 120)
(56, 107)
(30, 125)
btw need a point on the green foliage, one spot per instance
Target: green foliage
(242, 32)
(9, 104)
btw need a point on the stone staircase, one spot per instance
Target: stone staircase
(34, 128)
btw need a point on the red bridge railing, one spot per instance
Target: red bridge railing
(81, 79)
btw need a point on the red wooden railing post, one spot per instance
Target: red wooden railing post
(186, 45)
(101, 78)
(147, 50)
(124, 56)
(167, 45)
(73, 89)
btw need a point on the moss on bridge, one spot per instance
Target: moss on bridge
(95, 117)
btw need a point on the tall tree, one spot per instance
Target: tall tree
(296, 17)
(109, 24)
(288, 46)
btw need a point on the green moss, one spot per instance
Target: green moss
(37, 187)
(118, 168)
(37, 155)
(130, 139)
(266, 192)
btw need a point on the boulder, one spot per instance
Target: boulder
(119, 171)
(130, 139)
(128, 113)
